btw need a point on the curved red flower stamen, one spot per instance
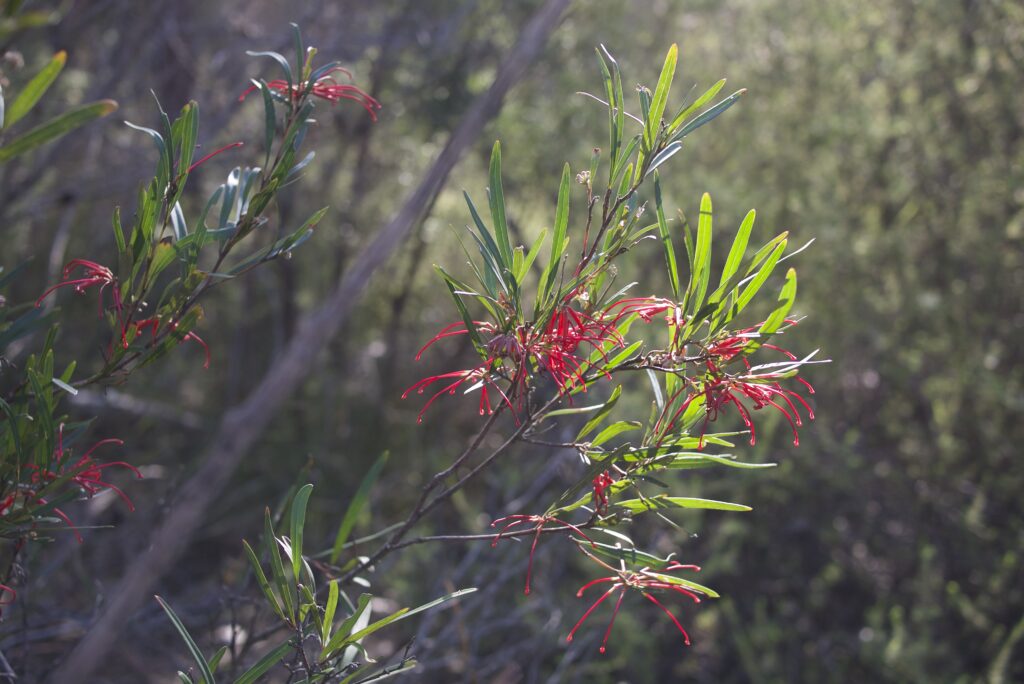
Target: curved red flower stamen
(643, 581)
(214, 154)
(93, 274)
(540, 521)
(325, 88)
(153, 325)
(686, 637)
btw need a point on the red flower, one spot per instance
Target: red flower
(601, 483)
(720, 389)
(540, 522)
(326, 88)
(93, 274)
(154, 324)
(86, 473)
(517, 353)
(643, 581)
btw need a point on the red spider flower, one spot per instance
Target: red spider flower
(601, 484)
(153, 324)
(644, 581)
(93, 274)
(719, 389)
(539, 522)
(514, 355)
(326, 88)
(86, 473)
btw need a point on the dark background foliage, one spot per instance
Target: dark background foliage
(886, 548)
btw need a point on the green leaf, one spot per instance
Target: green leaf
(605, 409)
(405, 613)
(197, 655)
(524, 268)
(691, 461)
(261, 580)
(281, 61)
(738, 249)
(660, 97)
(298, 523)
(558, 240)
(778, 317)
(709, 115)
(698, 103)
(329, 610)
(56, 127)
(664, 501)
(284, 588)
(702, 256)
(355, 506)
(493, 259)
(269, 119)
(759, 279)
(497, 201)
(35, 89)
(614, 430)
(679, 581)
(666, 239)
(263, 665)
(633, 556)
(345, 629)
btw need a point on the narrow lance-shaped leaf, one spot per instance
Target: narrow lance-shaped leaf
(359, 500)
(497, 201)
(57, 127)
(606, 408)
(759, 279)
(329, 609)
(261, 580)
(660, 97)
(663, 501)
(709, 115)
(778, 317)
(197, 654)
(701, 273)
(666, 239)
(35, 89)
(284, 588)
(739, 247)
(281, 61)
(263, 665)
(558, 242)
(298, 524)
(697, 104)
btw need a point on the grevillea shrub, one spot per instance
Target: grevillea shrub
(557, 340)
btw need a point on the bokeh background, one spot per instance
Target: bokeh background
(886, 548)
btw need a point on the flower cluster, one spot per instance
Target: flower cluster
(85, 472)
(326, 88)
(520, 353)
